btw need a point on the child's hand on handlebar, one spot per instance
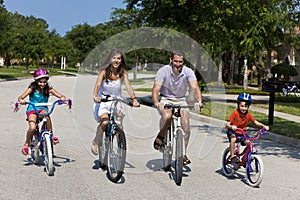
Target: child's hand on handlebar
(267, 128)
(23, 102)
(63, 98)
(233, 127)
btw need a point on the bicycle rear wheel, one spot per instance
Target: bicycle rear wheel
(47, 149)
(116, 155)
(167, 151)
(178, 157)
(255, 170)
(226, 164)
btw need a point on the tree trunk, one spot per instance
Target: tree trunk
(220, 80)
(232, 67)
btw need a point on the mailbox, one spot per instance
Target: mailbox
(272, 85)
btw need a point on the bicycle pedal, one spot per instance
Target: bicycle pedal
(235, 166)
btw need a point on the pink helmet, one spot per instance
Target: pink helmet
(40, 73)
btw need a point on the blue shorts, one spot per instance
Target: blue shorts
(240, 137)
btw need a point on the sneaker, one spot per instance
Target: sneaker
(235, 159)
(55, 140)
(25, 150)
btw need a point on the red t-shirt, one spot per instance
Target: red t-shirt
(237, 119)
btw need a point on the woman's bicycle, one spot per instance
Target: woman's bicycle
(112, 150)
(41, 144)
(249, 159)
(173, 143)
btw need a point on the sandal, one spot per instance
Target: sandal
(186, 161)
(158, 142)
(25, 150)
(55, 140)
(235, 159)
(94, 148)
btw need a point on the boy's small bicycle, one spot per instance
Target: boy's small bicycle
(112, 150)
(248, 159)
(173, 143)
(41, 143)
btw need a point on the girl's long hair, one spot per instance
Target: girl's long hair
(34, 86)
(121, 69)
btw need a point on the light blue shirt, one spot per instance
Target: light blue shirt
(38, 98)
(174, 86)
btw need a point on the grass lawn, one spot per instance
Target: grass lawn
(280, 126)
(14, 72)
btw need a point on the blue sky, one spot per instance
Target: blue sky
(62, 15)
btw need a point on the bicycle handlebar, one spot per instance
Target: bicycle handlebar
(127, 101)
(260, 132)
(34, 105)
(168, 106)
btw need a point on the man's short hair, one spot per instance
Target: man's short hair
(178, 53)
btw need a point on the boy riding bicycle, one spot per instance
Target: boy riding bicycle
(240, 119)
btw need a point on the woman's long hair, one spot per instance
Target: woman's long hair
(121, 69)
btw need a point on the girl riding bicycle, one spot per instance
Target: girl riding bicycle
(240, 119)
(109, 83)
(39, 91)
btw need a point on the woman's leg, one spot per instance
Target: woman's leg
(99, 133)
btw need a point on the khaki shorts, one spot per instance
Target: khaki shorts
(175, 101)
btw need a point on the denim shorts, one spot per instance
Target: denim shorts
(240, 137)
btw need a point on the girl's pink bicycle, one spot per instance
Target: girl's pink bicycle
(248, 159)
(41, 143)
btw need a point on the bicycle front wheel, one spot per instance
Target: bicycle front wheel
(116, 156)
(227, 167)
(167, 151)
(178, 157)
(35, 149)
(47, 149)
(255, 170)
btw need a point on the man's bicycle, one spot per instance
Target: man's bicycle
(112, 149)
(248, 159)
(41, 145)
(173, 143)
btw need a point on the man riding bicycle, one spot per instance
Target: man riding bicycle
(170, 86)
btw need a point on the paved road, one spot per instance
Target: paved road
(77, 176)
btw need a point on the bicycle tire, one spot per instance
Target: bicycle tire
(167, 151)
(35, 150)
(116, 155)
(226, 164)
(178, 157)
(48, 159)
(254, 170)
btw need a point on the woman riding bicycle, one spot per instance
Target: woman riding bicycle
(240, 119)
(109, 83)
(38, 91)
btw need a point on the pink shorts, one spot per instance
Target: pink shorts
(32, 112)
